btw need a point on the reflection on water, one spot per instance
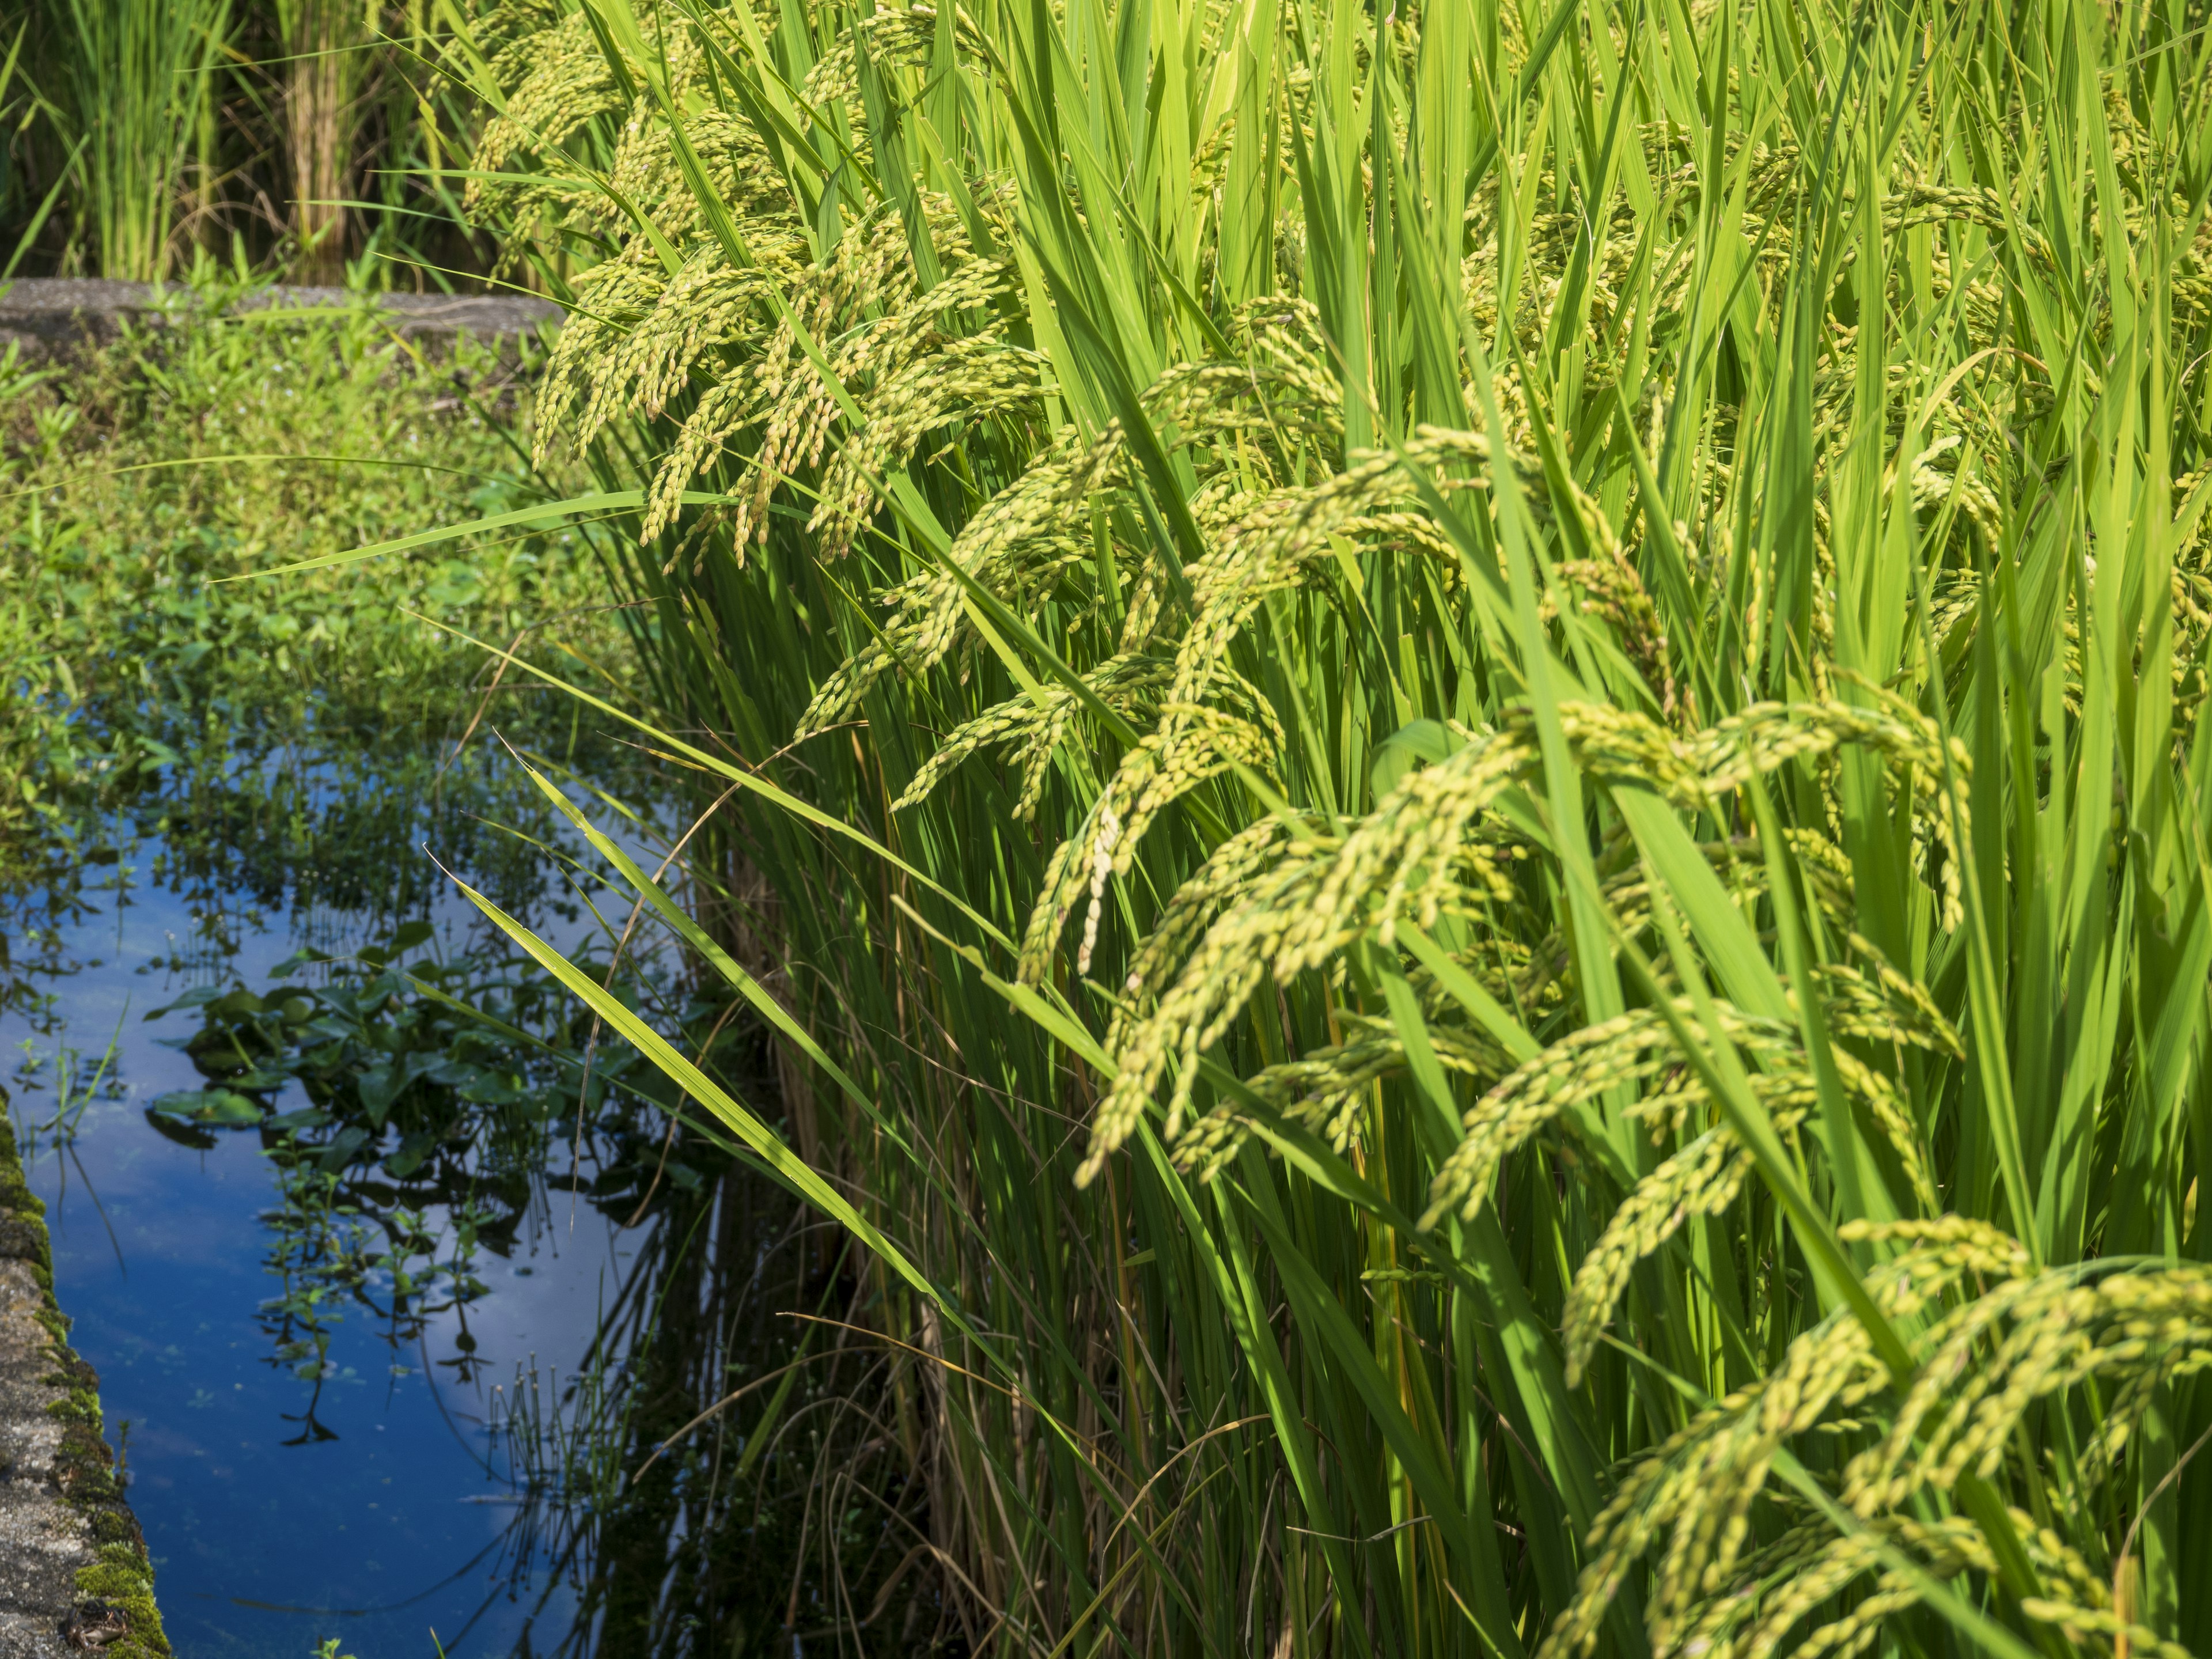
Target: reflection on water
(420, 1322)
(307, 1324)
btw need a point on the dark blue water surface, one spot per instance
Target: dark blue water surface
(374, 1503)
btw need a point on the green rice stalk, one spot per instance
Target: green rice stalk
(1472, 733)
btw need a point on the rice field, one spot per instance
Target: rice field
(1457, 750)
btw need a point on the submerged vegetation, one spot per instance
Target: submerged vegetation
(1456, 749)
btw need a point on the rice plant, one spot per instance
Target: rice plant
(135, 82)
(324, 43)
(1457, 748)
(319, 140)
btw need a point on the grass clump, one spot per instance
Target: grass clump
(1458, 749)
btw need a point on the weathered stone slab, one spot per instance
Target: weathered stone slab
(74, 1576)
(49, 316)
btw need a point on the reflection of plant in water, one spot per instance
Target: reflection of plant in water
(719, 1477)
(74, 1086)
(410, 1099)
(252, 832)
(329, 1251)
(435, 1091)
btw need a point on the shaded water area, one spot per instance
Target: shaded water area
(389, 1294)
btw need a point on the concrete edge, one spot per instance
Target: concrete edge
(48, 316)
(75, 1576)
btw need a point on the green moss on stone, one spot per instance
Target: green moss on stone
(22, 1216)
(122, 1579)
(79, 1405)
(110, 1527)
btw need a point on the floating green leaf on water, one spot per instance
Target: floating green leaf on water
(199, 997)
(307, 1117)
(222, 1108)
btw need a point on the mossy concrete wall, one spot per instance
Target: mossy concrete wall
(74, 1574)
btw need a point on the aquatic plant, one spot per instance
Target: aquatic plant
(439, 1083)
(671, 1474)
(1456, 749)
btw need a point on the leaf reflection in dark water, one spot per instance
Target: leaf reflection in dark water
(786, 1516)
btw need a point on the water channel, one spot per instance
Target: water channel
(368, 1384)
